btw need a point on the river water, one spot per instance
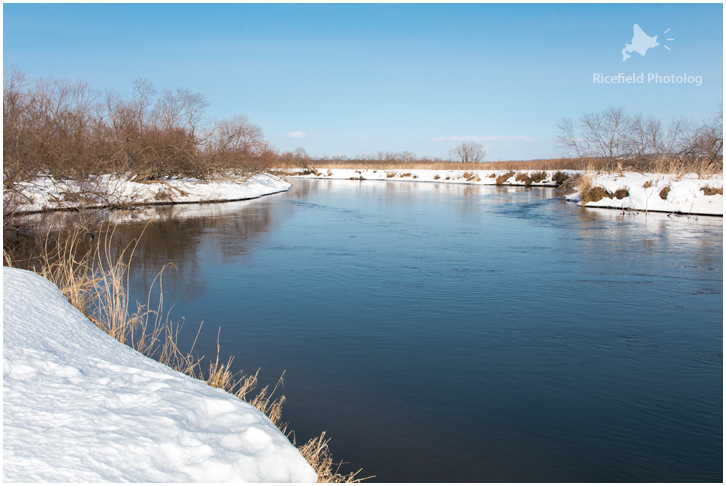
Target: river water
(444, 333)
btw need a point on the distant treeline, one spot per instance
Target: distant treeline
(69, 130)
(643, 142)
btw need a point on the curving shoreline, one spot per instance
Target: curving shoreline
(684, 194)
(81, 406)
(111, 191)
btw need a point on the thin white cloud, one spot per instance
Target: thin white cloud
(297, 134)
(489, 138)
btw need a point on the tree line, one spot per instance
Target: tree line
(67, 129)
(617, 137)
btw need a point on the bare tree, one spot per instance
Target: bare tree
(567, 140)
(468, 152)
(707, 139)
(143, 100)
(606, 134)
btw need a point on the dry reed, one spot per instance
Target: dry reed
(673, 165)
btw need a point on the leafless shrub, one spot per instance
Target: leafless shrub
(69, 130)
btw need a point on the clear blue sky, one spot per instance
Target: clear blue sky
(351, 78)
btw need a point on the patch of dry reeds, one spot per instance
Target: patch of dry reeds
(317, 453)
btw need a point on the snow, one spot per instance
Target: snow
(485, 177)
(78, 406)
(686, 195)
(46, 193)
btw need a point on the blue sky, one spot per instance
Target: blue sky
(359, 78)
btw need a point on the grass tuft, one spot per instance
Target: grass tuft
(712, 191)
(317, 453)
(561, 178)
(504, 178)
(594, 194)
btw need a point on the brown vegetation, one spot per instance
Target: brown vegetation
(712, 191)
(67, 129)
(644, 144)
(529, 178)
(596, 193)
(561, 178)
(504, 178)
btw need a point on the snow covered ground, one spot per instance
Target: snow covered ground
(645, 193)
(685, 194)
(78, 406)
(47, 194)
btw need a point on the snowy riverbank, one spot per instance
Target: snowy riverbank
(78, 406)
(687, 194)
(46, 194)
(657, 192)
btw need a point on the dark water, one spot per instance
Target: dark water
(445, 333)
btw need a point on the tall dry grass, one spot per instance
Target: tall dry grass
(660, 165)
(95, 279)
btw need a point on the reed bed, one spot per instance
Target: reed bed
(658, 165)
(94, 277)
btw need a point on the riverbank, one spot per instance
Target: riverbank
(80, 406)
(670, 193)
(46, 194)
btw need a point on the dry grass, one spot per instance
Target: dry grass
(318, 455)
(393, 165)
(504, 178)
(95, 279)
(594, 194)
(712, 191)
(673, 165)
(562, 179)
(590, 193)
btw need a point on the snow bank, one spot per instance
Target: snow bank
(79, 406)
(683, 194)
(480, 177)
(46, 193)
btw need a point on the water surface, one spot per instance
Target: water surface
(462, 333)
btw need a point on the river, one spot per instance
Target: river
(451, 333)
